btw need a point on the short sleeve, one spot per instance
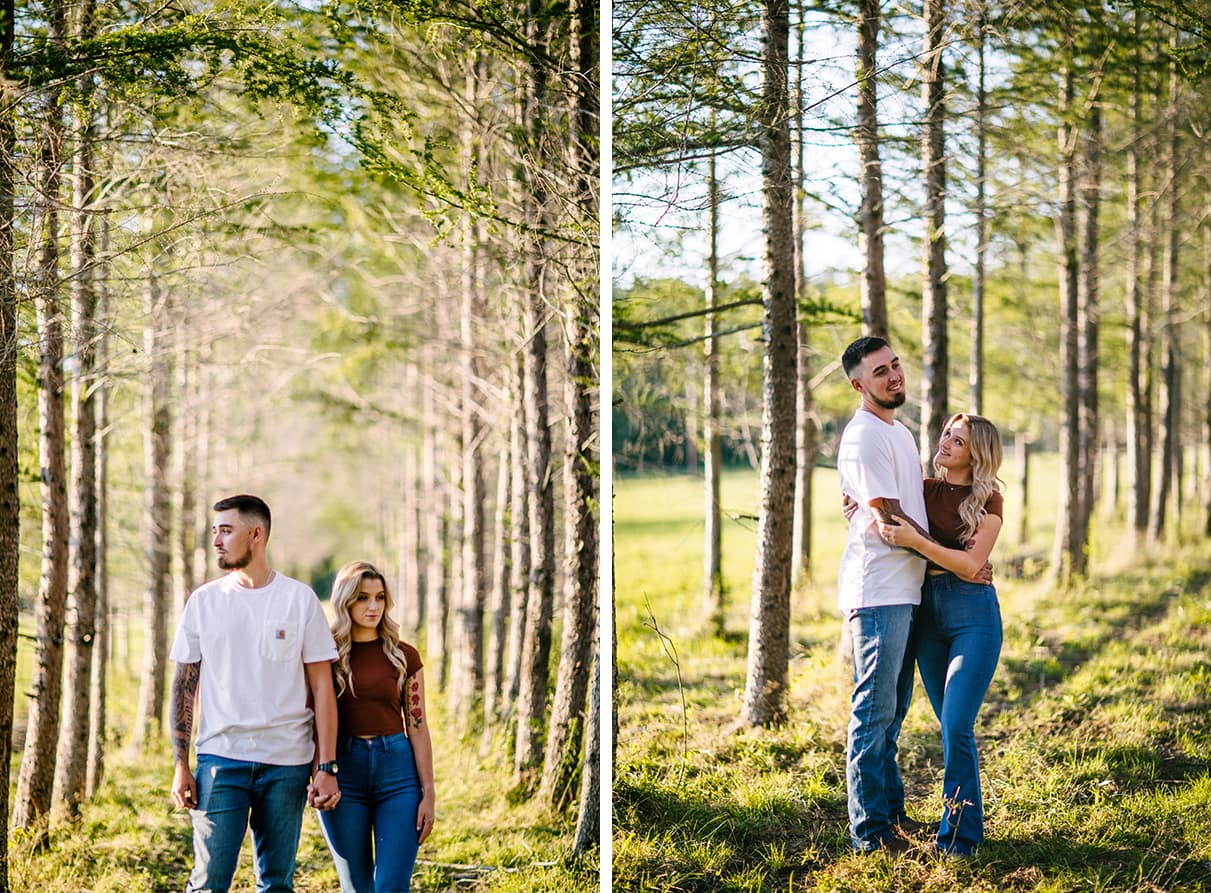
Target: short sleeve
(412, 658)
(867, 463)
(995, 505)
(187, 644)
(318, 643)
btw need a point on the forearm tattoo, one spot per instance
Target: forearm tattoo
(184, 691)
(416, 713)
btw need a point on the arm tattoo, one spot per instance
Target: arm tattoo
(416, 715)
(184, 690)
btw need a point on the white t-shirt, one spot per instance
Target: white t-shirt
(877, 460)
(252, 687)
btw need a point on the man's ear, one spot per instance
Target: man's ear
(856, 385)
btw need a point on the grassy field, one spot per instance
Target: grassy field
(1095, 738)
(131, 840)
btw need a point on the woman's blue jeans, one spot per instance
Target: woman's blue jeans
(372, 830)
(233, 794)
(883, 678)
(958, 643)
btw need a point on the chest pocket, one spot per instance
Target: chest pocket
(280, 640)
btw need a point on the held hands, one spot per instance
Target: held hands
(184, 787)
(424, 817)
(896, 534)
(323, 793)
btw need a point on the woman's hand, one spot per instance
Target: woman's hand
(896, 534)
(424, 817)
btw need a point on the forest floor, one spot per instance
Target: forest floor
(130, 839)
(1095, 737)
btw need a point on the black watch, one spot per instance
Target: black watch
(330, 767)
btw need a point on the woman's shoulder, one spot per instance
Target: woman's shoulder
(411, 656)
(995, 504)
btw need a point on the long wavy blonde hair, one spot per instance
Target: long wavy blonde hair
(984, 442)
(344, 595)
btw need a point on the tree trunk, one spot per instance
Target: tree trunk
(35, 783)
(157, 514)
(436, 601)
(1168, 438)
(975, 374)
(1021, 451)
(1207, 339)
(934, 312)
(469, 624)
(588, 819)
(1139, 446)
(1064, 560)
(806, 435)
(714, 595)
(10, 503)
(72, 759)
(870, 232)
(519, 536)
(501, 598)
(409, 588)
(769, 632)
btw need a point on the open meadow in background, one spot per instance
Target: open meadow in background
(1095, 737)
(130, 839)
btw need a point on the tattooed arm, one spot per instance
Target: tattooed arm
(417, 720)
(184, 693)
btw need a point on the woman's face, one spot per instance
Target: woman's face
(954, 449)
(369, 604)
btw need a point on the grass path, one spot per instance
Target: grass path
(1095, 741)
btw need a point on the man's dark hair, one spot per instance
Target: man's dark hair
(249, 507)
(854, 354)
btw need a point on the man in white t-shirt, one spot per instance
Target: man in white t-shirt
(879, 588)
(252, 646)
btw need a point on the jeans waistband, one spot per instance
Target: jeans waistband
(381, 742)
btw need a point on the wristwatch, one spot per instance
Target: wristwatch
(330, 767)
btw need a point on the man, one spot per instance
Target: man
(879, 588)
(251, 645)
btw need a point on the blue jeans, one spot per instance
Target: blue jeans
(232, 794)
(883, 678)
(380, 792)
(958, 640)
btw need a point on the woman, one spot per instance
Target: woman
(385, 773)
(957, 629)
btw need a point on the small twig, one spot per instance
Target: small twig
(671, 650)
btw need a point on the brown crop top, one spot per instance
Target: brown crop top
(942, 506)
(371, 705)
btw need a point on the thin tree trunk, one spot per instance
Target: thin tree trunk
(1021, 451)
(436, 603)
(873, 293)
(72, 759)
(98, 694)
(806, 435)
(1139, 464)
(714, 595)
(519, 537)
(975, 374)
(1064, 561)
(10, 503)
(588, 819)
(1207, 341)
(36, 780)
(769, 632)
(934, 312)
(501, 597)
(157, 514)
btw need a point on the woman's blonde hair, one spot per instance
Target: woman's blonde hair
(344, 594)
(984, 442)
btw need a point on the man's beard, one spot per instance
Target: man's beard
(894, 403)
(227, 563)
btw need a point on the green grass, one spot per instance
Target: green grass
(1095, 737)
(130, 840)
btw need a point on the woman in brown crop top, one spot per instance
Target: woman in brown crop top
(957, 628)
(384, 753)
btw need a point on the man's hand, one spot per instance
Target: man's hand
(323, 793)
(848, 506)
(184, 787)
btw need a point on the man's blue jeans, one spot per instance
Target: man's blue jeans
(883, 679)
(958, 641)
(380, 793)
(232, 794)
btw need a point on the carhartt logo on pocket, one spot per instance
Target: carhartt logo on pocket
(280, 634)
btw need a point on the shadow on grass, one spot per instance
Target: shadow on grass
(1022, 863)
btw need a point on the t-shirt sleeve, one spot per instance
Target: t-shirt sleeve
(995, 505)
(187, 644)
(318, 643)
(412, 657)
(867, 463)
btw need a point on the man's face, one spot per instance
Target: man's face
(881, 379)
(233, 538)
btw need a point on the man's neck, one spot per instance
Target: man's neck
(255, 576)
(885, 415)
